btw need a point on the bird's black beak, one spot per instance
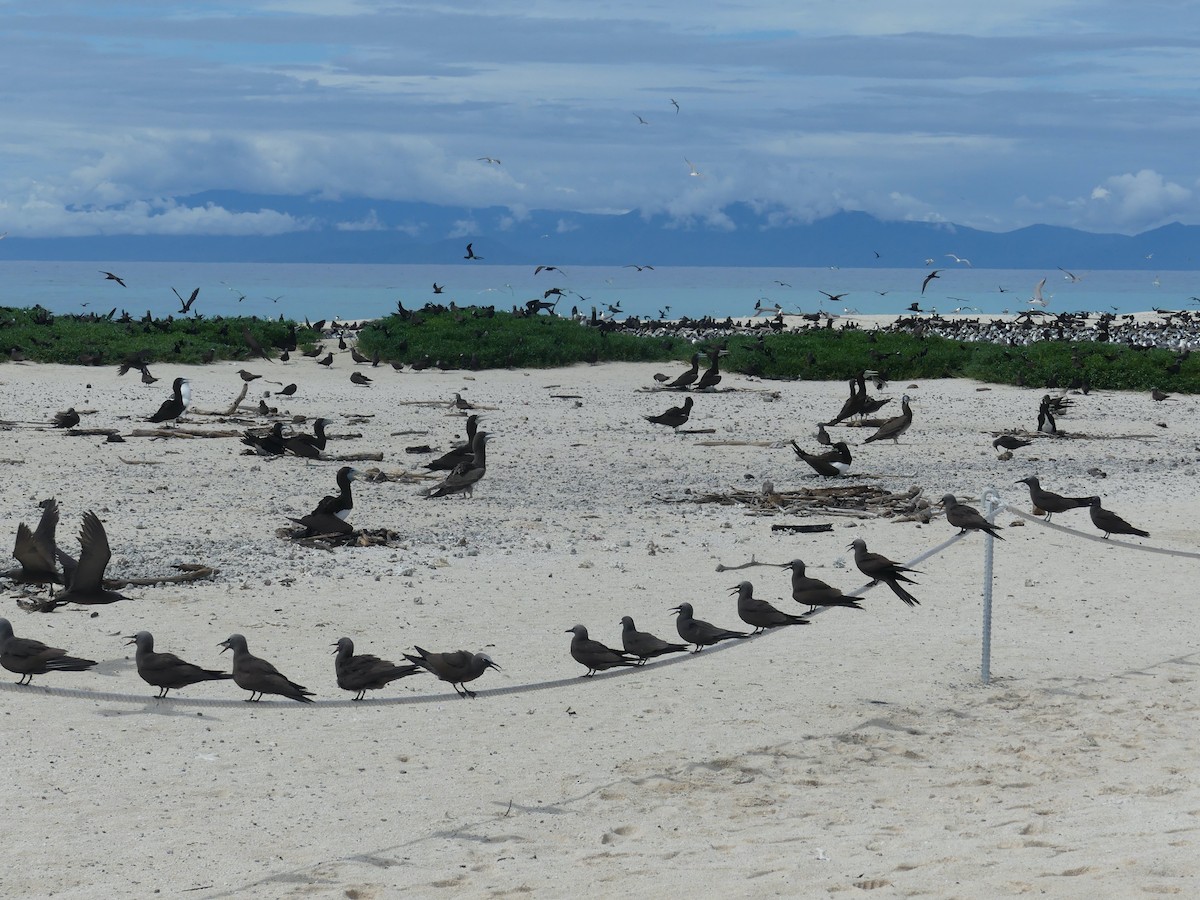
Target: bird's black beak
(735, 589)
(492, 665)
(130, 639)
(675, 609)
(224, 645)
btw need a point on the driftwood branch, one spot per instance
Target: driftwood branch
(183, 433)
(188, 572)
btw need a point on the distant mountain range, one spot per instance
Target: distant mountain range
(370, 231)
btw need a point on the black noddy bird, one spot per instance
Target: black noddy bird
(759, 613)
(36, 550)
(456, 667)
(967, 518)
(814, 592)
(247, 376)
(329, 516)
(1110, 523)
(593, 655)
(1010, 442)
(1050, 502)
(698, 632)
(68, 419)
(27, 657)
(831, 463)
(879, 568)
(85, 578)
(258, 676)
(675, 416)
(643, 644)
(175, 405)
(894, 427)
(308, 445)
(288, 390)
(447, 461)
(681, 383)
(166, 671)
(467, 473)
(364, 672)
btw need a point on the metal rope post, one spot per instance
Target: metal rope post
(991, 504)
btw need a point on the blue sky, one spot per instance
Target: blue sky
(994, 115)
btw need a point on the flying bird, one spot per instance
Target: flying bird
(928, 278)
(186, 305)
(641, 120)
(958, 259)
(1070, 276)
(549, 269)
(491, 160)
(1037, 299)
(674, 103)
(471, 253)
(109, 276)
(694, 172)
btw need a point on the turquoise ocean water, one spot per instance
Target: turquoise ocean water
(345, 291)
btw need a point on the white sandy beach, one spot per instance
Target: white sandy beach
(858, 753)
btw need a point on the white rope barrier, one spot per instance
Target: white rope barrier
(1099, 538)
(150, 701)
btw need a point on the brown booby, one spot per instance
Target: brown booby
(467, 473)
(310, 446)
(853, 404)
(270, 444)
(1050, 502)
(36, 550)
(759, 613)
(447, 461)
(681, 383)
(364, 672)
(68, 419)
(456, 667)
(643, 644)
(814, 592)
(1110, 523)
(712, 375)
(593, 655)
(675, 416)
(698, 632)
(831, 463)
(85, 578)
(966, 518)
(176, 405)
(166, 671)
(27, 657)
(879, 568)
(258, 676)
(896, 426)
(329, 516)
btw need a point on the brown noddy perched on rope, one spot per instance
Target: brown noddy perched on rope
(879, 568)
(1110, 523)
(362, 672)
(681, 383)
(675, 416)
(258, 676)
(698, 632)
(175, 405)
(27, 657)
(966, 518)
(643, 644)
(594, 655)
(814, 592)
(85, 578)
(893, 428)
(36, 550)
(1050, 502)
(467, 473)
(166, 671)
(329, 516)
(456, 667)
(447, 461)
(831, 463)
(308, 446)
(759, 613)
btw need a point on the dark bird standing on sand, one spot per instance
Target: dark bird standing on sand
(681, 383)
(879, 568)
(712, 375)
(896, 426)
(27, 657)
(1045, 419)
(1010, 442)
(447, 461)
(966, 518)
(1050, 502)
(759, 613)
(814, 592)
(175, 405)
(287, 391)
(36, 550)
(831, 463)
(327, 361)
(309, 446)
(359, 378)
(456, 667)
(85, 578)
(363, 672)
(1110, 523)
(166, 671)
(643, 644)
(68, 419)
(698, 632)
(255, 347)
(823, 437)
(329, 516)
(247, 376)
(269, 444)
(594, 655)
(258, 676)
(467, 473)
(675, 416)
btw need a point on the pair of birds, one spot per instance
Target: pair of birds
(466, 463)
(710, 378)
(44, 562)
(1049, 503)
(275, 443)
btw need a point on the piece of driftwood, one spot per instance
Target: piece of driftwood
(365, 537)
(695, 431)
(567, 396)
(182, 433)
(140, 462)
(233, 407)
(721, 567)
(367, 456)
(188, 572)
(803, 529)
(409, 432)
(90, 432)
(775, 445)
(860, 501)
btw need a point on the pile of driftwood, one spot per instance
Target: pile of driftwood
(858, 501)
(365, 537)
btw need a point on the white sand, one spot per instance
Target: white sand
(859, 752)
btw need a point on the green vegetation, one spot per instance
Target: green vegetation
(470, 338)
(42, 337)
